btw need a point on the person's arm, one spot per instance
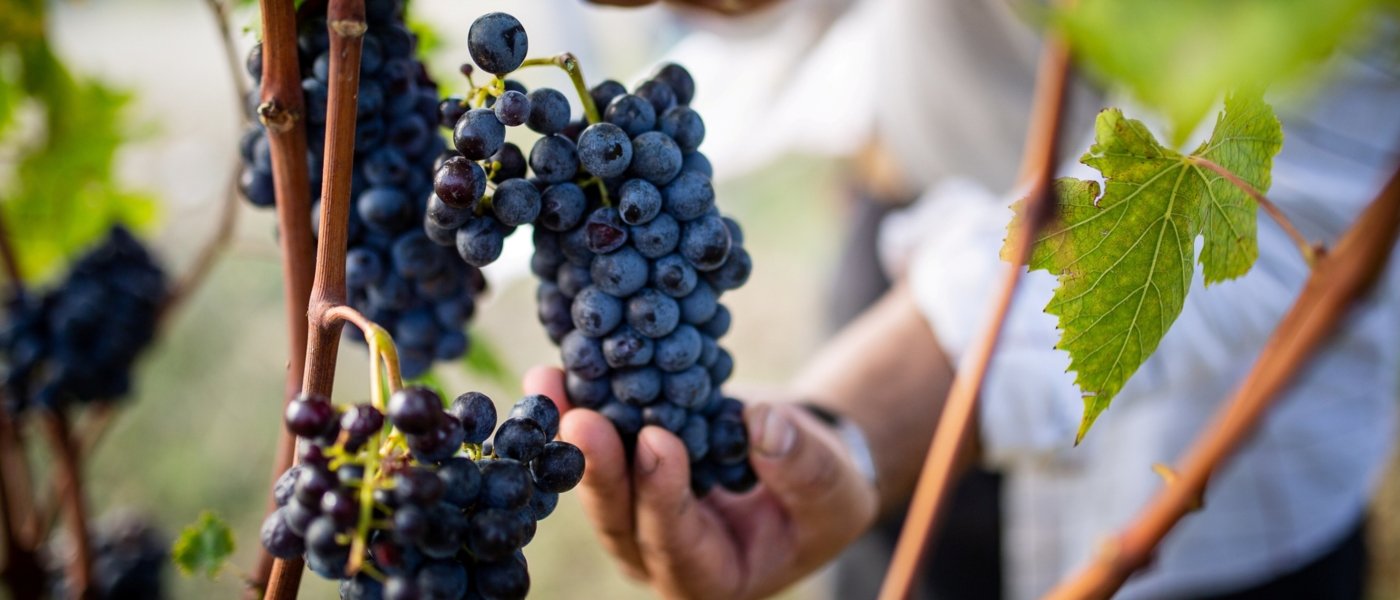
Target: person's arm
(887, 374)
(884, 372)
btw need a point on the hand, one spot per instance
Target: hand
(810, 502)
(728, 7)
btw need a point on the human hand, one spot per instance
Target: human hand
(810, 502)
(729, 7)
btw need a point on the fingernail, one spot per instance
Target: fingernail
(777, 434)
(647, 459)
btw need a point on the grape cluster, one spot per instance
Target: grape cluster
(437, 505)
(77, 342)
(631, 250)
(129, 558)
(394, 274)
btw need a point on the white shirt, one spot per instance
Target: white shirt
(946, 85)
(1298, 485)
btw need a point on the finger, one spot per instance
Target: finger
(549, 382)
(687, 549)
(800, 463)
(606, 489)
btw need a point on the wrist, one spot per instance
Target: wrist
(852, 439)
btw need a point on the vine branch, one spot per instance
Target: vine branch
(228, 213)
(953, 434)
(55, 427)
(9, 259)
(1337, 281)
(281, 113)
(1310, 250)
(21, 572)
(346, 24)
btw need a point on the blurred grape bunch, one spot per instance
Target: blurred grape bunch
(77, 342)
(129, 554)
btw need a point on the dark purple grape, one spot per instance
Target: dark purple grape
(415, 410)
(477, 414)
(558, 468)
(497, 43)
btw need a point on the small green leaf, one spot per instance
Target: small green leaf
(203, 546)
(65, 190)
(483, 359)
(1125, 257)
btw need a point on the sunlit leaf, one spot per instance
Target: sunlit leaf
(1124, 255)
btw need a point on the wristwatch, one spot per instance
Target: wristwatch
(851, 437)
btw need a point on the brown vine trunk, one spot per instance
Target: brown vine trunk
(346, 22)
(282, 113)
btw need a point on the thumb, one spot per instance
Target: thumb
(802, 462)
(549, 382)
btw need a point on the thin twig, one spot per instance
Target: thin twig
(953, 434)
(228, 213)
(55, 427)
(378, 339)
(209, 253)
(569, 63)
(1338, 280)
(345, 20)
(1310, 250)
(230, 46)
(21, 573)
(9, 259)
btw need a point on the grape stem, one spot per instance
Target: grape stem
(1338, 279)
(22, 573)
(85, 438)
(10, 259)
(281, 114)
(602, 189)
(952, 436)
(569, 63)
(345, 21)
(1310, 251)
(55, 427)
(381, 346)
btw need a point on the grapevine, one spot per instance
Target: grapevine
(394, 274)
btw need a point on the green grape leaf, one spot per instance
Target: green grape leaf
(1124, 255)
(1179, 57)
(203, 546)
(483, 358)
(1246, 137)
(64, 189)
